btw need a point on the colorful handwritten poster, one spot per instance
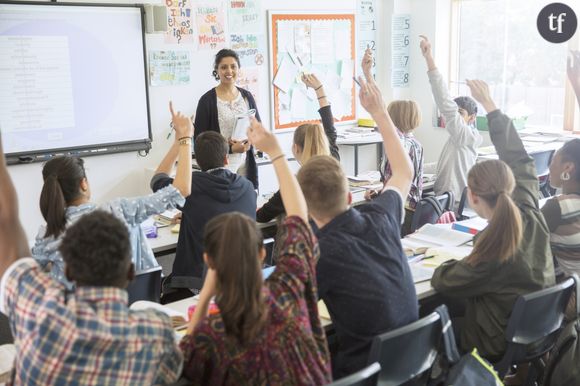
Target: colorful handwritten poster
(210, 20)
(244, 16)
(169, 68)
(248, 79)
(250, 48)
(179, 21)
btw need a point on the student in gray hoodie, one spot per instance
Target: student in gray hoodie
(214, 190)
(460, 151)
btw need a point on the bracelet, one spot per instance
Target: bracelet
(179, 139)
(185, 141)
(276, 158)
(318, 88)
(322, 96)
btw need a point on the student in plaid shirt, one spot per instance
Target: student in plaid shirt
(85, 337)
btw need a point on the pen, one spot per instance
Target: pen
(356, 81)
(170, 130)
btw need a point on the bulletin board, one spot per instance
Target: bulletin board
(319, 43)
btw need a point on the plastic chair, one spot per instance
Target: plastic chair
(533, 328)
(408, 351)
(464, 211)
(428, 212)
(145, 286)
(542, 160)
(365, 377)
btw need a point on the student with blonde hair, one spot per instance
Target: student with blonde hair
(511, 257)
(309, 140)
(266, 333)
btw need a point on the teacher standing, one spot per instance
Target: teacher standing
(218, 109)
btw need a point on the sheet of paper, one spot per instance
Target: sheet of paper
(346, 74)
(441, 236)
(298, 105)
(321, 34)
(342, 43)
(302, 42)
(286, 75)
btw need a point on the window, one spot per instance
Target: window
(497, 41)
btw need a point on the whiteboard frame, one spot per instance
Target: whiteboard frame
(271, 13)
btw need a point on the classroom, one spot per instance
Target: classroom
(256, 192)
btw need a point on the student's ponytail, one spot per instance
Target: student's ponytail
(493, 182)
(311, 138)
(62, 178)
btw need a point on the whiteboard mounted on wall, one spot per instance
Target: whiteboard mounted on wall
(72, 80)
(322, 43)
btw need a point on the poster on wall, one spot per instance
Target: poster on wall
(179, 22)
(210, 21)
(249, 47)
(169, 68)
(366, 13)
(244, 16)
(400, 65)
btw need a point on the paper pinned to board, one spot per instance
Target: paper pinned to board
(286, 75)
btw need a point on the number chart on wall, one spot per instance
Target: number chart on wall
(319, 43)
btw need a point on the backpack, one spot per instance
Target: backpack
(563, 368)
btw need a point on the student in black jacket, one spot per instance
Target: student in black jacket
(214, 190)
(309, 140)
(217, 110)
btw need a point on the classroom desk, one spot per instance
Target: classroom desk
(362, 140)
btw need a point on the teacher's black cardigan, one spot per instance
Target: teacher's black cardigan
(206, 118)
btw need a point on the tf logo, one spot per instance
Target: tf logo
(557, 23)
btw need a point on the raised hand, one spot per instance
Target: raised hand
(370, 97)
(182, 124)
(573, 70)
(427, 53)
(367, 64)
(310, 80)
(263, 139)
(480, 92)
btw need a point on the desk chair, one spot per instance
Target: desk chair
(429, 209)
(542, 160)
(365, 377)
(408, 351)
(464, 211)
(533, 328)
(145, 286)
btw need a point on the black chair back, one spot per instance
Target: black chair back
(534, 324)
(542, 160)
(464, 211)
(365, 377)
(145, 286)
(408, 351)
(429, 209)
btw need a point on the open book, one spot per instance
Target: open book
(433, 236)
(178, 319)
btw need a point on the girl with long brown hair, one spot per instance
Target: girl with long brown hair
(511, 257)
(266, 333)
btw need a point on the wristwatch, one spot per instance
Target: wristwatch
(185, 141)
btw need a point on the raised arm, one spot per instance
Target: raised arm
(292, 196)
(573, 71)
(13, 244)
(183, 133)
(508, 145)
(402, 170)
(310, 80)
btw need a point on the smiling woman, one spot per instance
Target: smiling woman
(219, 110)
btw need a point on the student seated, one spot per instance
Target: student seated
(511, 257)
(266, 333)
(66, 195)
(363, 274)
(460, 151)
(309, 140)
(214, 190)
(87, 336)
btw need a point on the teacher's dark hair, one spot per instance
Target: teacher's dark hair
(223, 53)
(62, 178)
